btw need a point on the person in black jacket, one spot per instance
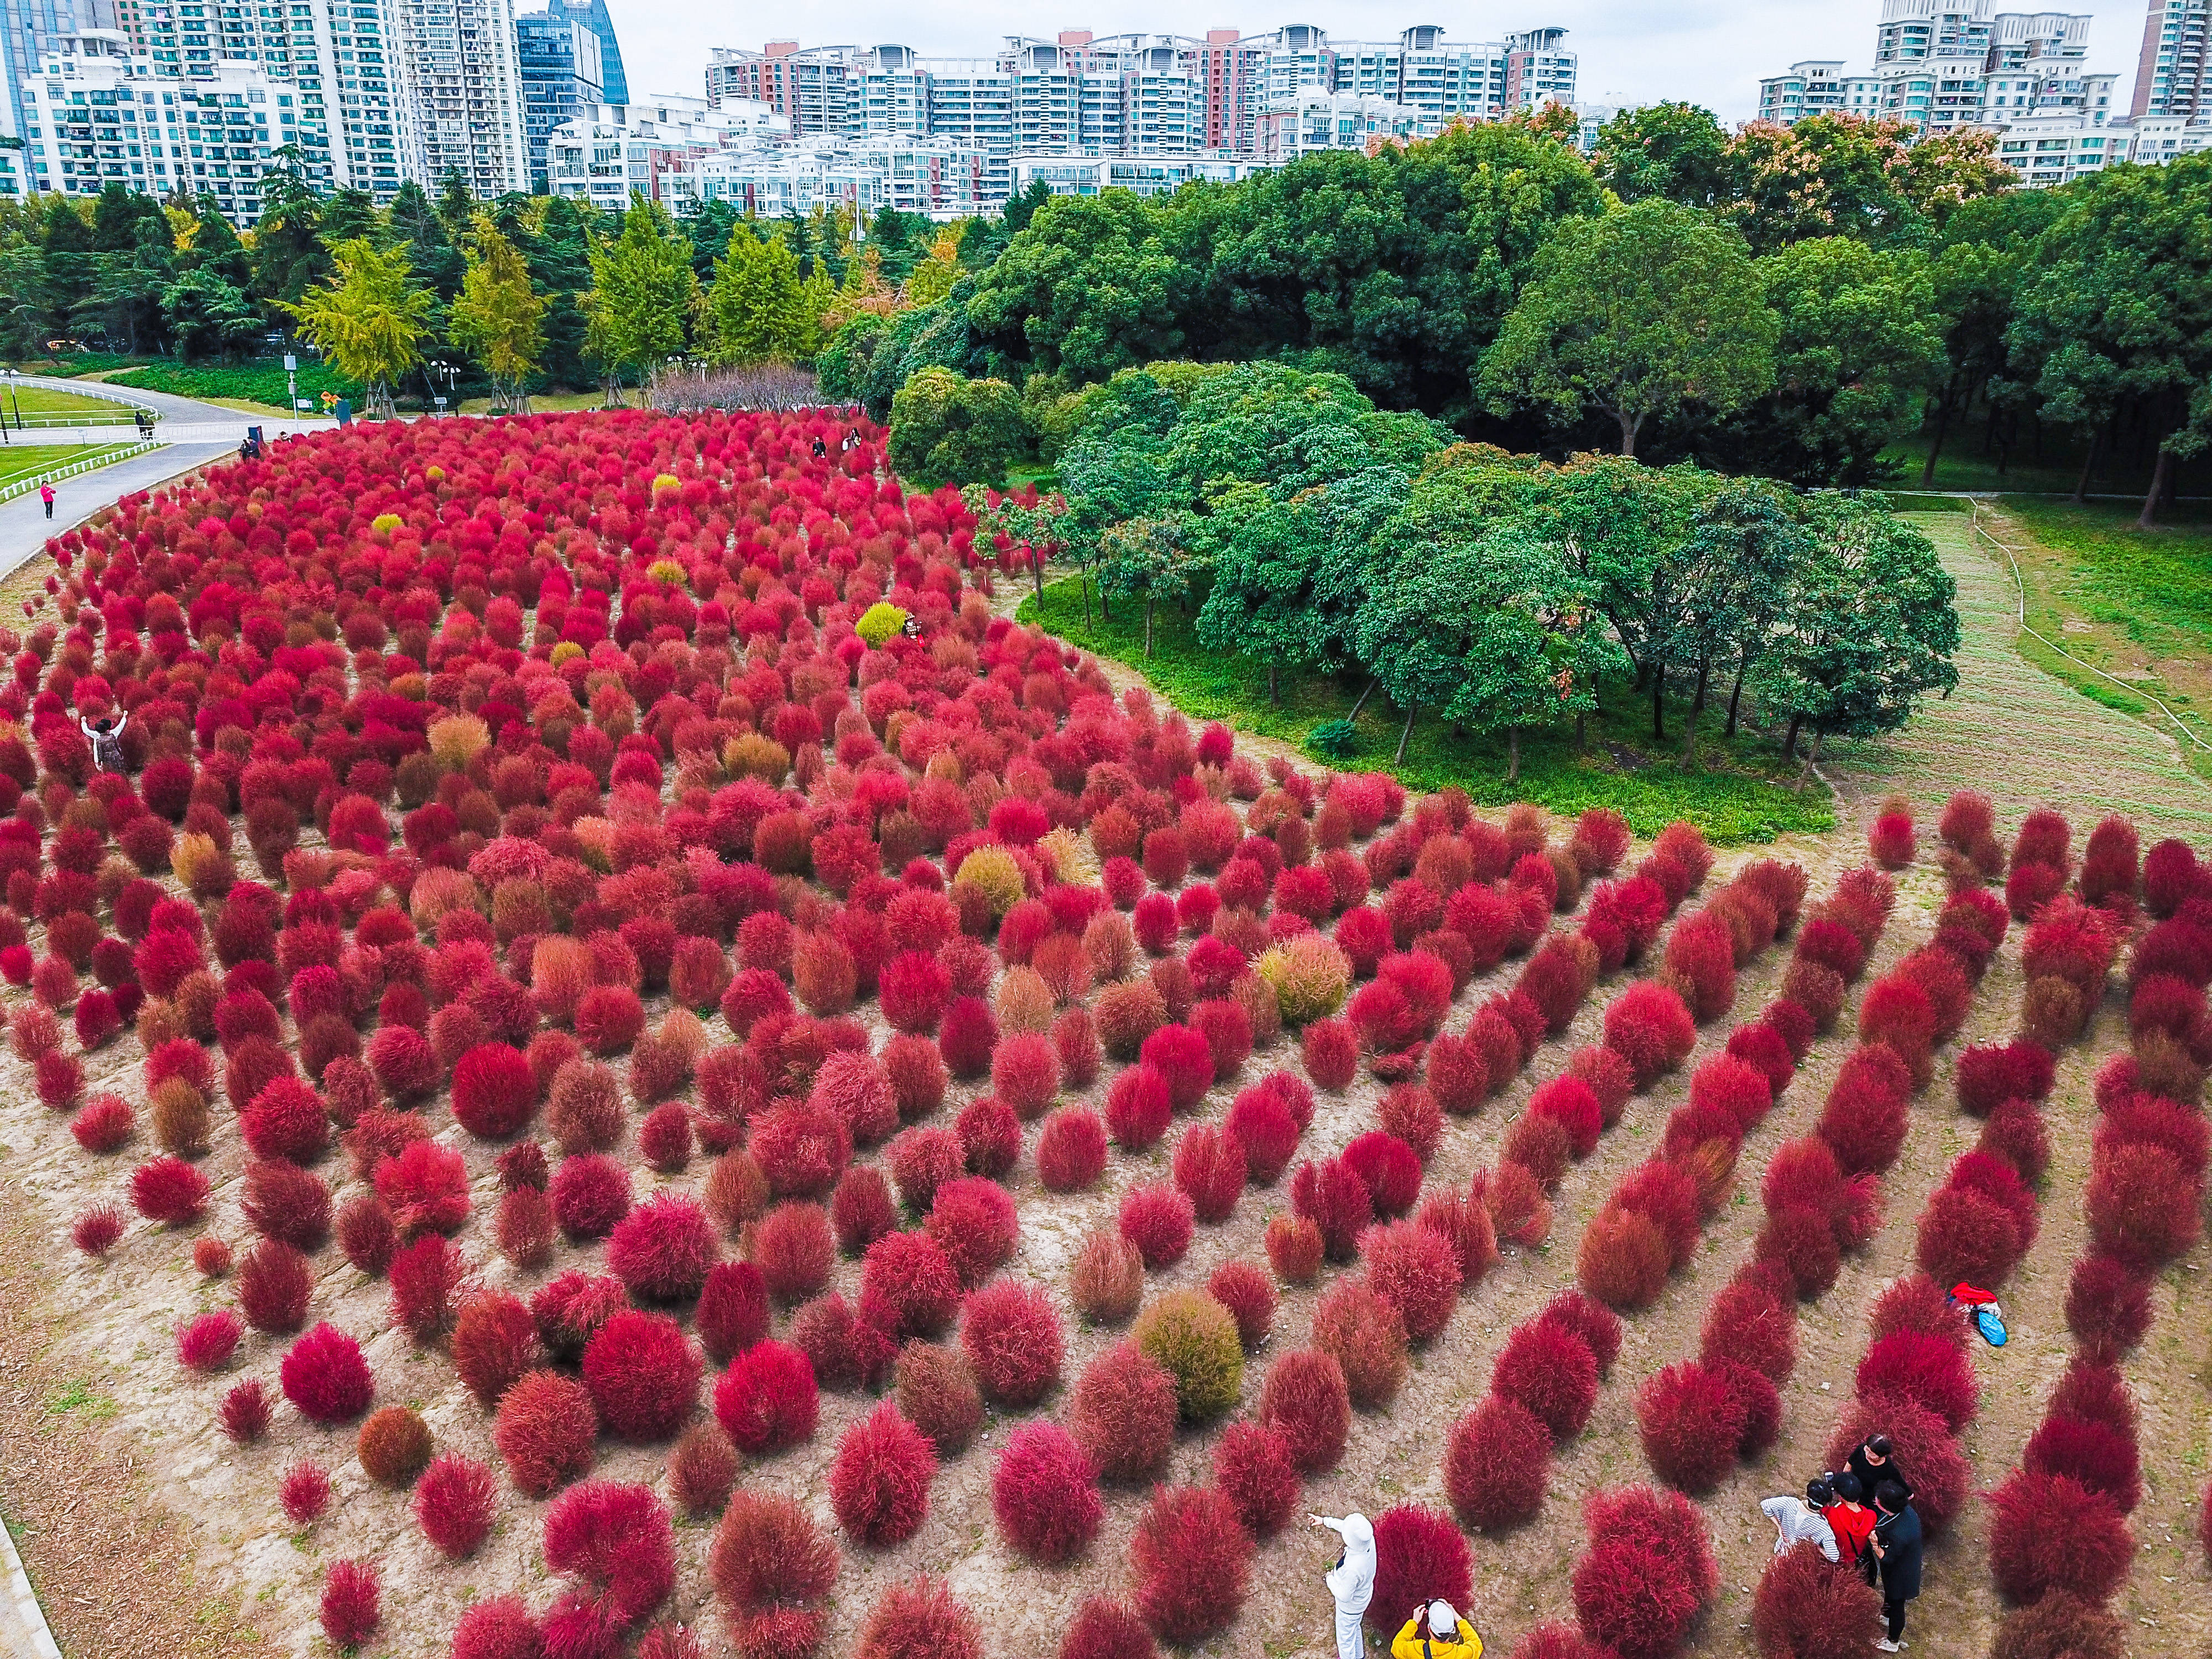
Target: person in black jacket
(1874, 1460)
(1897, 1546)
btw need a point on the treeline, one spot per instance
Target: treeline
(1311, 530)
(1788, 303)
(1784, 302)
(567, 296)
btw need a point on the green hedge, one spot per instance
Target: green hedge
(260, 382)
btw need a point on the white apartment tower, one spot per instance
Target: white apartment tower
(1941, 65)
(462, 87)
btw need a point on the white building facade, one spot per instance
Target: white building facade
(460, 83)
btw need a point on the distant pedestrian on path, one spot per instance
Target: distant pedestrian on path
(47, 494)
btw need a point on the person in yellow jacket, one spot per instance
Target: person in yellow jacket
(1435, 1631)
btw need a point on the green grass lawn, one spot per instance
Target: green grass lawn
(35, 402)
(2133, 603)
(20, 461)
(1742, 791)
(2014, 728)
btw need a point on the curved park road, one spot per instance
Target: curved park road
(190, 434)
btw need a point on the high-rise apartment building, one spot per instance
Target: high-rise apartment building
(560, 63)
(463, 90)
(613, 81)
(99, 113)
(1140, 94)
(2170, 72)
(1941, 65)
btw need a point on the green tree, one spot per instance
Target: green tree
(1859, 347)
(22, 300)
(1652, 312)
(1678, 151)
(125, 301)
(216, 250)
(1830, 175)
(290, 253)
(642, 292)
(367, 317)
(499, 317)
(756, 310)
(1733, 572)
(946, 429)
(1869, 627)
(1945, 171)
(1151, 557)
(2118, 307)
(208, 317)
(1984, 257)
(437, 261)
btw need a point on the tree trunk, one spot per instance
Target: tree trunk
(1148, 628)
(1734, 697)
(1789, 747)
(1935, 443)
(1658, 702)
(2148, 520)
(1704, 678)
(1812, 754)
(1627, 435)
(1036, 568)
(1690, 739)
(1400, 757)
(1362, 703)
(1274, 693)
(1082, 580)
(1512, 754)
(2088, 466)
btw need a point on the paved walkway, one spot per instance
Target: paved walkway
(24, 526)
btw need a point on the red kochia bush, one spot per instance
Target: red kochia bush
(643, 1373)
(1305, 1398)
(767, 1400)
(1044, 1491)
(1926, 1370)
(2142, 1204)
(973, 1222)
(1551, 1373)
(2101, 1455)
(1633, 1600)
(454, 1503)
(2107, 1306)
(1648, 1026)
(1497, 1466)
(662, 1249)
(879, 1483)
(921, 1619)
(494, 1345)
(1691, 1423)
(1012, 1338)
(1070, 1151)
(1251, 1467)
(861, 1210)
(326, 1377)
(1123, 1413)
(769, 1565)
(546, 1432)
(494, 1091)
(1157, 1218)
(615, 1539)
(274, 1284)
(1993, 1073)
(169, 1190)
(793, 1248)
(206, 1342)
(1419, 1557)
(1331, 1053)
(1192, 1562)
(2088, 1557)
(1806, 1608)
(352, 1595)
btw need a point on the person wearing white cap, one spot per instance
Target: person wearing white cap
(1352, 1580)
(1435, 1631)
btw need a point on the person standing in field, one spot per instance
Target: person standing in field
(1352, 1580)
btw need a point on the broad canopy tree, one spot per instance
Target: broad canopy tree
(1653, 312)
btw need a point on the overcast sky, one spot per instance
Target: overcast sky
(1712, 52)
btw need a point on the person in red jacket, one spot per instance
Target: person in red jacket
(1852, 1522)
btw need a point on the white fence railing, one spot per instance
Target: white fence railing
(31, 481)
